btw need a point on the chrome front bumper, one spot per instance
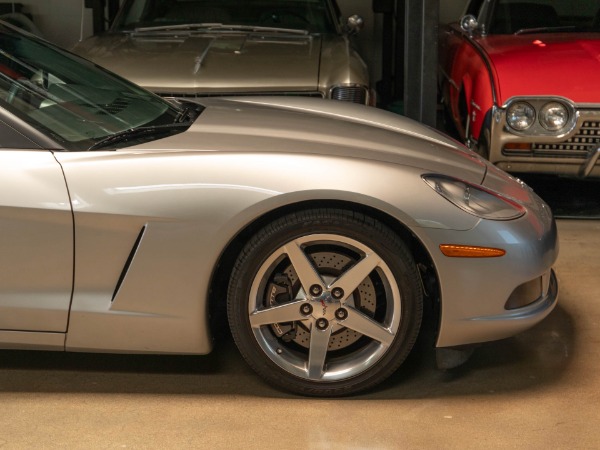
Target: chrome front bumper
(574, 153)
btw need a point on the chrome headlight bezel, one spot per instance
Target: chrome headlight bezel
(474, 199)
(553, 116)
(520, 116)
(547, 116)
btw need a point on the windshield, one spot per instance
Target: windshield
(73, 101)
(312, 15)
(517, 16)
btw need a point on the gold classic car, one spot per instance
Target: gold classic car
(185, 48)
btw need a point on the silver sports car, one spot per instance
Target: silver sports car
(323, 229)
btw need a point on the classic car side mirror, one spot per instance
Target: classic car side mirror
(469, 23)
(354, 24)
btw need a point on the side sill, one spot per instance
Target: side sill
(29, 340)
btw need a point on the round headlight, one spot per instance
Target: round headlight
(520, 116)
(554, 116)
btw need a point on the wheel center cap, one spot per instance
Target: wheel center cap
(325, 306)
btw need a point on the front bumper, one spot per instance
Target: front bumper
(526, 317)
(486, 299)
(507, 323)
(573, 153)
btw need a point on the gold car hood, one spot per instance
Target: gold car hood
(205, 63)
(325, 127)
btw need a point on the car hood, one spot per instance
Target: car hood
(304, 125)
(205, 63)
(559, 64)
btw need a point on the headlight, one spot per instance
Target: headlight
(520, 116)
(475, 200)
(554, 116)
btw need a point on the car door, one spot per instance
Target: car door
(36, 238)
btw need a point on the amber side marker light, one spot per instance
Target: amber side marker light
(522, 146)
(468, 251)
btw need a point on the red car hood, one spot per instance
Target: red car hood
(560, 64)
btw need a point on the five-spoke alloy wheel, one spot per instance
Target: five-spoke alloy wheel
(325, 302)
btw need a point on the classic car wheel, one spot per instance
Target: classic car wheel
(325, 302)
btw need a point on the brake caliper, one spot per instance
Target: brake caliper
(279, 293)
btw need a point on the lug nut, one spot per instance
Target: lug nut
(322, 324)
(316, 290)
(341, 314)
(337, 293)
(306, 309)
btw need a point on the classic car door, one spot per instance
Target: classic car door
(36, 240)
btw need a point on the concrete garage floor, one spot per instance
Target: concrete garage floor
(539, 390)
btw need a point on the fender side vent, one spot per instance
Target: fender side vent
(129, 261)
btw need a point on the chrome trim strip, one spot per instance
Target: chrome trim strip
(485, 59)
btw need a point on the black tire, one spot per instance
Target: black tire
(347, 338)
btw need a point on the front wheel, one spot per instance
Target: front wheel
(325, 302)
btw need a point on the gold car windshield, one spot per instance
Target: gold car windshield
(315, 16)
(73, 101)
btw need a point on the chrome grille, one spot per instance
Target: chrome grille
(578, 146)
(354, 94)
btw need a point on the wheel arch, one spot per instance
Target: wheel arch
(220, 278)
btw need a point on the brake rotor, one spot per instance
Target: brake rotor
(331, 265)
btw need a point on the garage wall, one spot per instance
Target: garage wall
(451, 10)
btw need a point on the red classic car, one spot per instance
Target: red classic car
(520, 81)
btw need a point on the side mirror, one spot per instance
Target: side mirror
(469, 23)
(354, 24)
